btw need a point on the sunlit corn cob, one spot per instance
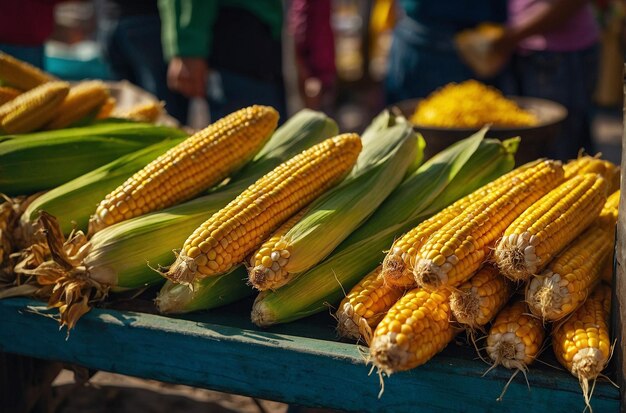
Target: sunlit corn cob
(83, 99)
(365, 306)
(199, 162)
(477, 301)
(21, 75)
(390, 146)
(33, 109)
(8, 93)
(453, 253)
(546, 227)
(44, 160)
(592, 164)
(229, 235)
(415, 328)
(571, 276)
(401, 259)
(582, 343)
(143, 112)
(446, 177)
(107, 108)
(515, 337)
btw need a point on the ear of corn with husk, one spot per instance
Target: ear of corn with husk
(83, 100)
(116, 257)
(386, 155)
(44, 160)
(451, 174)
(21, 75)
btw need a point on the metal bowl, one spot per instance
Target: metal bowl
(537, 140)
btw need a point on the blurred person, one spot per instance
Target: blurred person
(554, 52)
(227, 50)
(131, 32)
(25, 25)
(314, 43)
(423, 56)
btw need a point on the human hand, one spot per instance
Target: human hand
(188, 75)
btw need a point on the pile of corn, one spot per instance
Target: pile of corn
(462, 242)
(470, 104)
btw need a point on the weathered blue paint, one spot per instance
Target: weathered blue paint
(282, 364)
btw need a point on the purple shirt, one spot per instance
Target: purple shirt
(579, 32)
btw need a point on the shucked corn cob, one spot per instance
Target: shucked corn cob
(365, 306)
(19, 74)
(453, 253)
(44, 160)
(7, 94)
(400, 261)
(478, 300)
(582, 343)
(107, 108)
(235, 231)
(115, 258)
(569, 279)
(546, 227)
(592, 164)
(415, 329)
(198, 163)
(449, 175)
(33, 109)
(515, 337)
(143, 112)
(388, 150)
(84, 99)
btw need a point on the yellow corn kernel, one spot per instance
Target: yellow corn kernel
(546, 227)
(33, 109)
(190, 167)
(515, 337)
(478, 300)
(365, 305)
(21, 75)
(458, 249)
(235, 231)
(82, 100)
(268, 262)
(144, 112)
(7, 94)
(593, 164)
(582, 343)
(415, 328)
(608, 215)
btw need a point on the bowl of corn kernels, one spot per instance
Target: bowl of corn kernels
(455, 111)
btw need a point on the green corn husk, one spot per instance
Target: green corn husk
(390, 146)
(73, 202)
(44, 160)
(440, 181)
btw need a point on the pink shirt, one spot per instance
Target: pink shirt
(579, 32)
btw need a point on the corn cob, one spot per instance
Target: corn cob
(415, 329)
(546, 227)
(365, 306)
(452, 254)
(593, 164)
(569, 279)
(21, 75)
(606, 274)
(44, 160)
(143, 112)
(389, 148)
(479, 299)
(33, 109)
(115, 258)
(238, 229)
(196, 164)
(83, 100)
(107, 108)
(449, 175)
(582, 343)
(401, 259)
(515, 337)
(7, 94)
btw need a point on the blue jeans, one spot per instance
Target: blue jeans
(31, 54)
(568, 78)
(134, 52)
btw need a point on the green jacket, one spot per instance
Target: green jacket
(186, 25)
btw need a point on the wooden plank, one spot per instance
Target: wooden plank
(619, 292)
(276, 365)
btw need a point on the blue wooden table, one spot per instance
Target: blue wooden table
(300, 363)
